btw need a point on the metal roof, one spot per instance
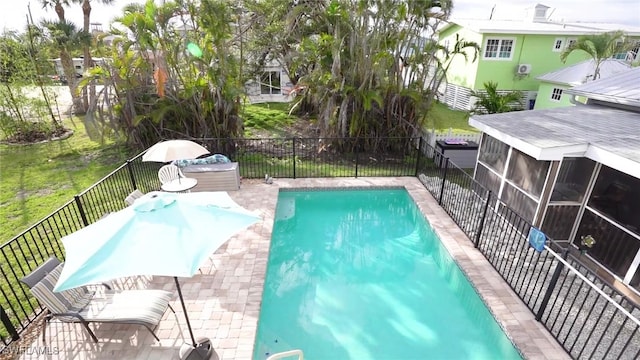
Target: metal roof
(606, 135)
(582, 72)
(621, 88)
(548, 27)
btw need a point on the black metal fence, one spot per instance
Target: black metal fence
(585, 314)
(25, 252)
(318, 157)
(588, 321)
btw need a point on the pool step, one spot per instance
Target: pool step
(286, 354)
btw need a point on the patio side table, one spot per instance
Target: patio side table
(180, 185)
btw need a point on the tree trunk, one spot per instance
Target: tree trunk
(72, 81)
(87, 98)
(59, 11)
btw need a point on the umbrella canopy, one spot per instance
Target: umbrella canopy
(160, 234)
(174, 150)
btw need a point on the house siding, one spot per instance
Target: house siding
(544, 101)
(461, 72)
(535, 50)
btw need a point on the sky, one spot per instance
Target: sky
(625, 12)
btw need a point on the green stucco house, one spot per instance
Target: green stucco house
(551, 93)
(515, 52)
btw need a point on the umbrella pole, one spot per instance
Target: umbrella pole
(184, 308)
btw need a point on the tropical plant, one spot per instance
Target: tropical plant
(599, 47)
(492, 101)
(364, 65)
(23, 116)
(445, 57)
(174, 72)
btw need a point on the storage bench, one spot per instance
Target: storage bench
(214, 177)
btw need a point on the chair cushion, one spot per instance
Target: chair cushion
(60, 302)
(144, 307)
(213, 159)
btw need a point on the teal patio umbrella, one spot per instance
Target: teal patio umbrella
(161, 234)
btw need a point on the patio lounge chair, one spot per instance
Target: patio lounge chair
(135, 195)
(135, 307)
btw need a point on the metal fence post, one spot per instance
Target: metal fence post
(476, 241)
(356, 151)
(294, 158)
(552, 285)
(83, 216)
(131, 177)
(4, 318)
(418, 157)
(444, 180)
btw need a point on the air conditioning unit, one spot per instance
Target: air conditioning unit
(524, 69)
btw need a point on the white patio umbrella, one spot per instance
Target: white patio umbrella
(161, 234)
(174, 150)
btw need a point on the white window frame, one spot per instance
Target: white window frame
(625, 56)
(561, 47)
(635, 52)
(570, 41)
(619, 55)
(554, 93)
(273, 90)
(500, 41)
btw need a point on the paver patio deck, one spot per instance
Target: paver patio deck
(224, 300)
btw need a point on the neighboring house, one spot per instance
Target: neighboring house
(273, 85)
(574, 171)
(78, 64)
(553, 84)
(514, 53)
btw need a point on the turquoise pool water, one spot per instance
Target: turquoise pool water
(361, 275)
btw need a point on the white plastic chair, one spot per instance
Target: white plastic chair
(168, 173)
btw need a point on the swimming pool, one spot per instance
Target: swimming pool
(360, 274)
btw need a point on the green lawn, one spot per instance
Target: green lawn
(267, 117)
(37, 179)
(274, 116)
(441, 118)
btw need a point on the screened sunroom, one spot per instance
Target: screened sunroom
(573, 172)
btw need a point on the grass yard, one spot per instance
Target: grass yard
(441, 118)
(37, 179)
(272, 118)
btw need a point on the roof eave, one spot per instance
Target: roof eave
(542, 32)
(605, 98)
(556, 82)
(546, 154)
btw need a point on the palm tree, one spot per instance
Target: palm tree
(56, 5)
(600, 47)
(461, 47)
(66, 37)
(490, 101)
(86, 12)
